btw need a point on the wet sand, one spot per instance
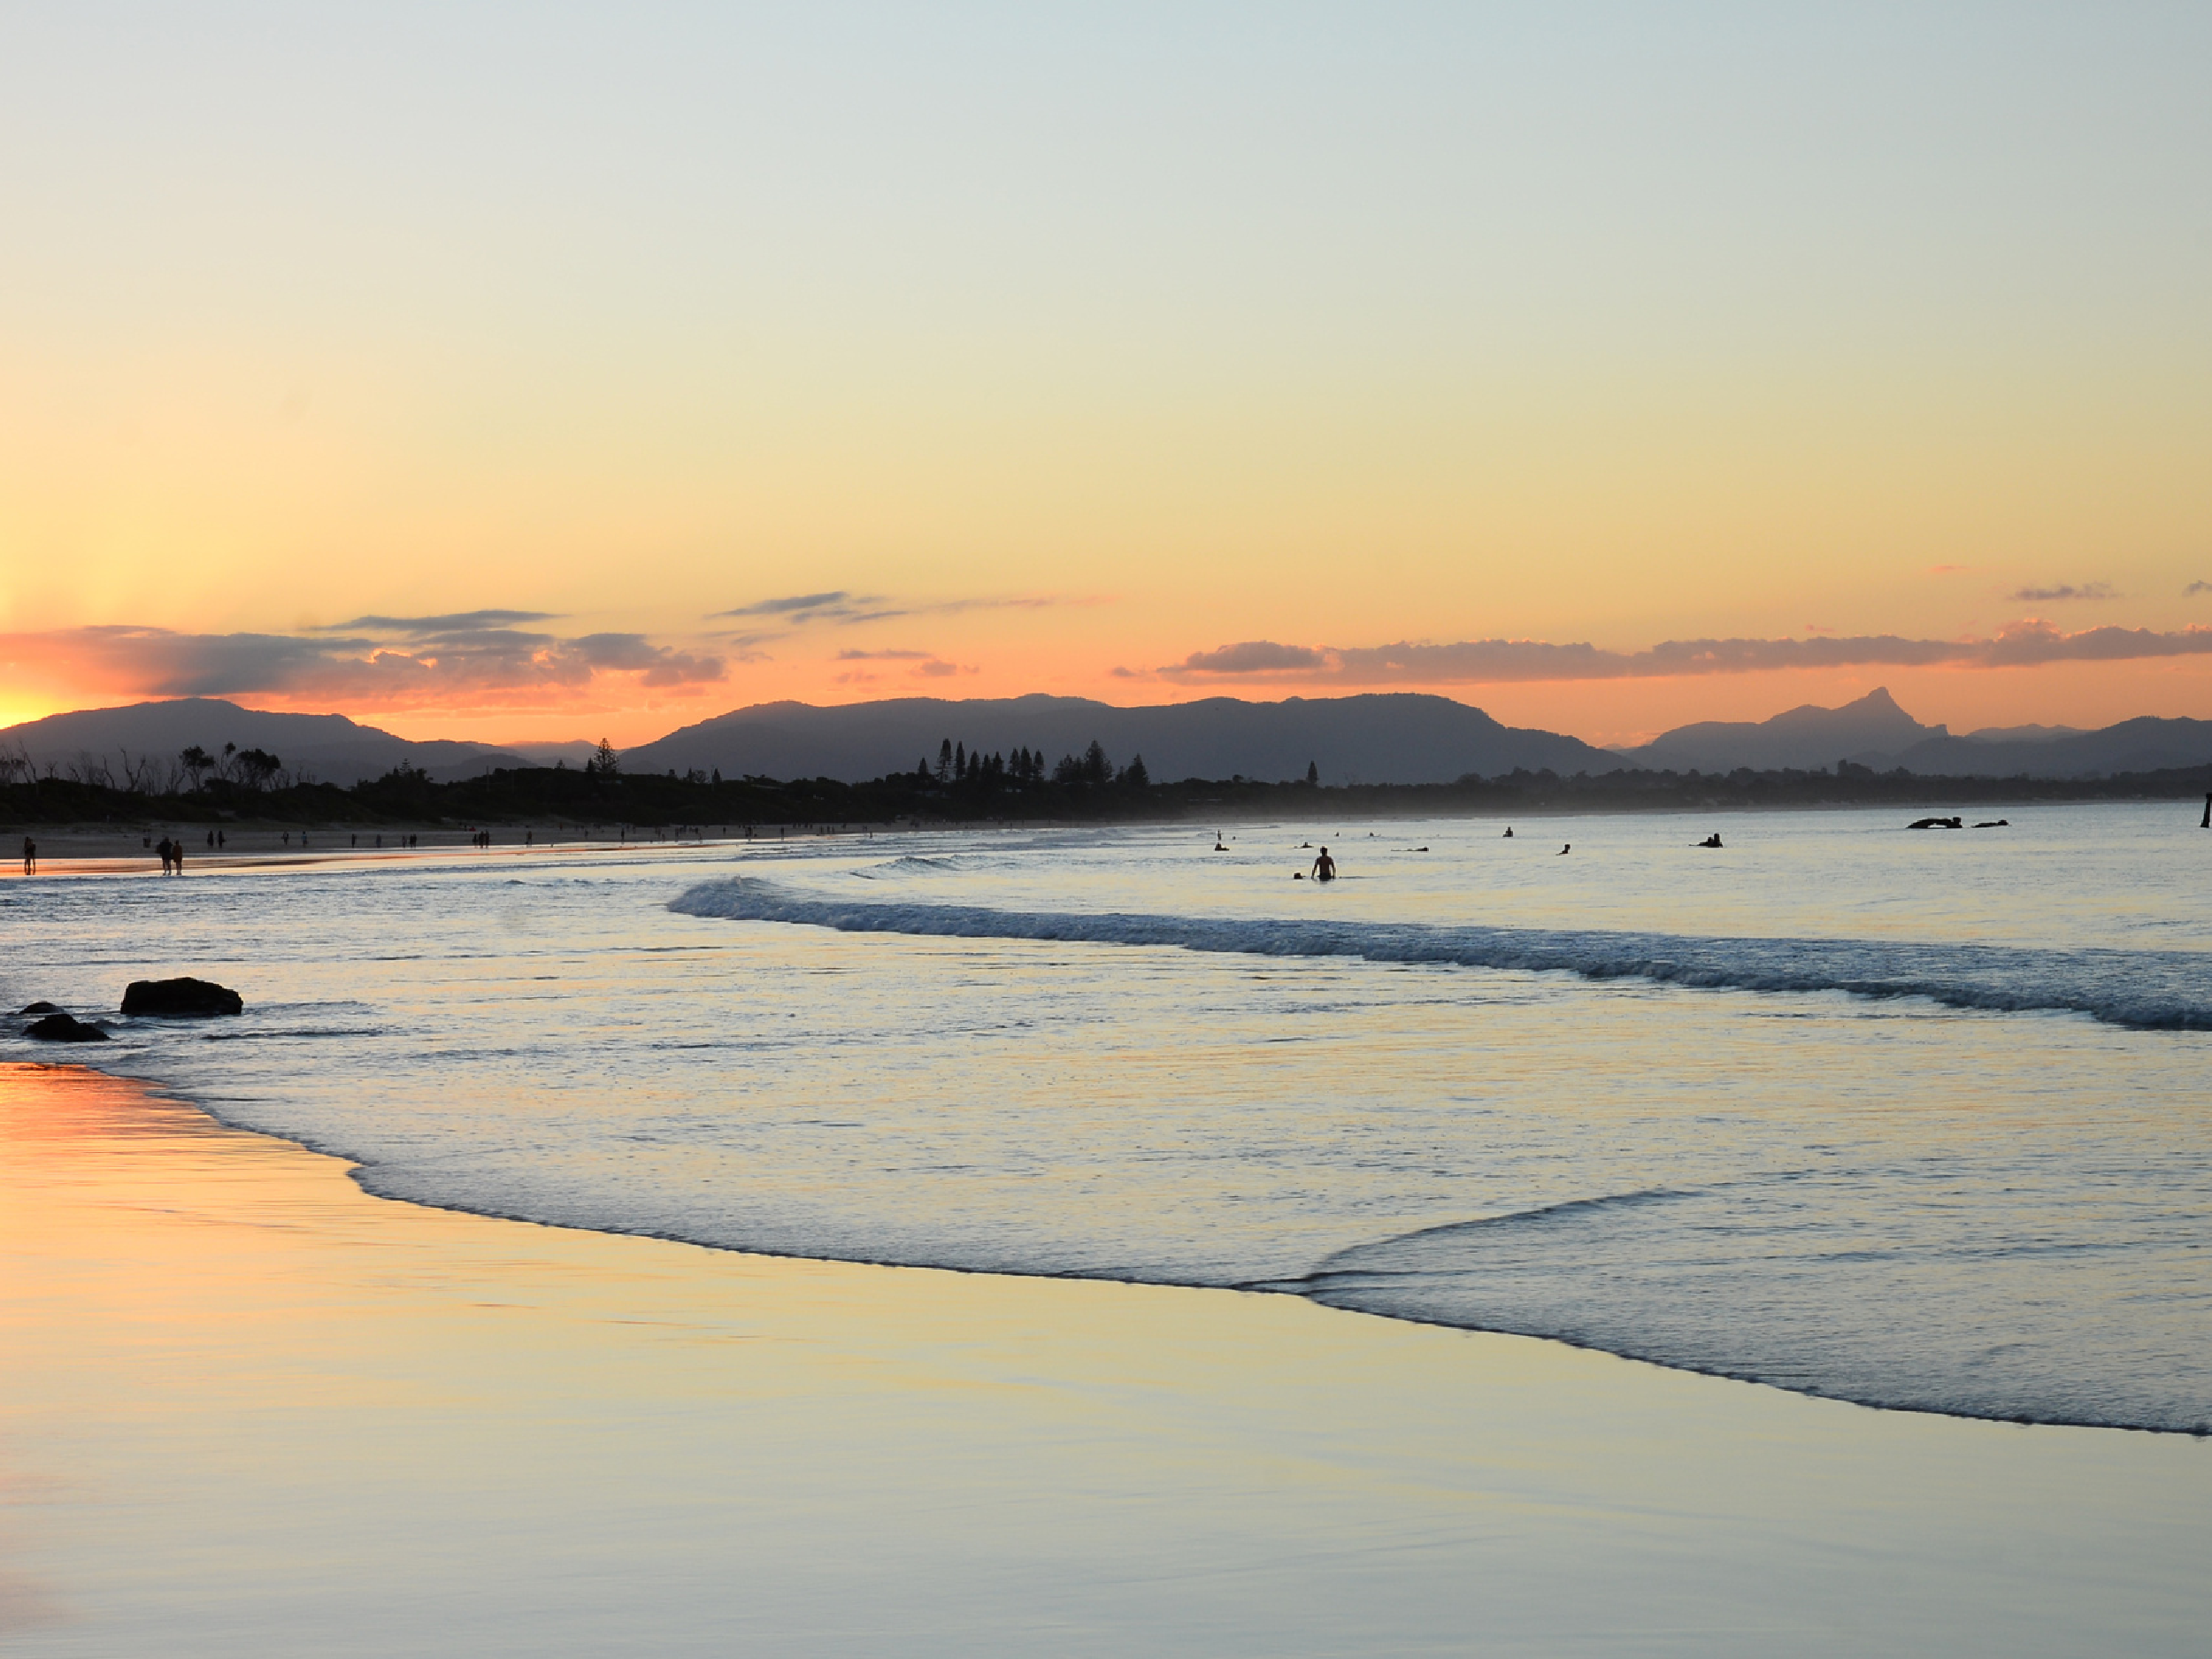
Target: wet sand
(245, 1407)
(98, 850)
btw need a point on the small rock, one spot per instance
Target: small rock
(43, 1007)
(64, 1028)
(182, 999)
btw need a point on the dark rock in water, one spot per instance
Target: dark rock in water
(182, 999)
(1995, 823)
(43, 1007)
(63, 1028)
(1937, 823)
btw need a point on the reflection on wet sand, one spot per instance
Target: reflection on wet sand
(244, 1407)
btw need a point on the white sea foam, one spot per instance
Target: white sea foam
(2159, 991)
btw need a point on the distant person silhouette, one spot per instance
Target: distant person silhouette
(1563, 851)
(1325, 867)
(1508, 834)
(30, 856)
(2207, 811)
(176, 858)
(1711, 840)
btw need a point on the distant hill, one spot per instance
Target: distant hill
(574, 752)
(324, 748)
(1388, 738)
(2140, 745)
(1873, 731)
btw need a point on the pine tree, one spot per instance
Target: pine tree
(1313, 772)
(944, 761)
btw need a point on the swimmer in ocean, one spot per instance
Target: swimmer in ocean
(1325, 867)
(1563, 851)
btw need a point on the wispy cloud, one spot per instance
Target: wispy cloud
(1252, 656)
(795, 606)
(2051, 596)
(2194, 589)
(1493, 662)
(838, 607)
(424, 627)
(434, 664)
(927, 664)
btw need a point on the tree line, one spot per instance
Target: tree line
(957, 763)
(188, 771)
(965, 787)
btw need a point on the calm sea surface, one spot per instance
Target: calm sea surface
(1910, 1118)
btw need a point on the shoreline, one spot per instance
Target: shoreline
(229, 1369)
(396, 858)
(355, 1172)
(101, 850)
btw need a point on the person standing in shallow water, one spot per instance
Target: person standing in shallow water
(1325, 867)
(30, 856)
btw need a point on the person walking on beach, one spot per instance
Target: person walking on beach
(176, 856)
(166, 851)
(30, 856)
(1325, 867)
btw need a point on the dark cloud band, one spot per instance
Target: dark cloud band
(452, 622)
(464, 661)
(1491, 662)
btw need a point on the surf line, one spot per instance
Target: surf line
(2141, 990)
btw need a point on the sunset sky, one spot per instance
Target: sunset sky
(549, 372)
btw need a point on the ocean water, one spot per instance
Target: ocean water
(1910, 1118)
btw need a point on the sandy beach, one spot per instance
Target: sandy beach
(246, 1407)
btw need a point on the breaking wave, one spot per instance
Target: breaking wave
(2145, 990)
